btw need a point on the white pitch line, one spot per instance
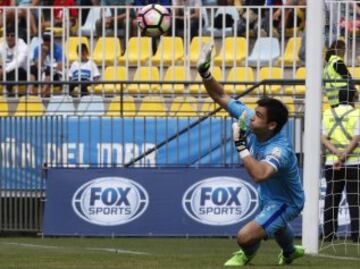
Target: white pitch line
(117, 250)
(29, 245)
(336, 257)
(114, 250)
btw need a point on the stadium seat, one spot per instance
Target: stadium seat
(169, 51)
(298, 89)
(62, 105)
(174, 73)
(208, 105)
(290, 104)
(233, 51)
(195, 46)
(239, 74)
(107, 50)
(183, 106)
(197, 88)
(29, 106)
(126, 109)
(152, 106)
(4, 107)
(249, 101)
(71, 46)
(88, 28)
(291, 54)
(266, 51)
(91, 105)
(145, 73)
(112, 73)
(271, 73)
(139, 50)
(355, 74)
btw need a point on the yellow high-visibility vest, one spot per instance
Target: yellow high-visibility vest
(332, 88)
(340, 126)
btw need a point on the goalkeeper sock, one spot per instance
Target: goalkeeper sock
(285, 239)
(251, 249)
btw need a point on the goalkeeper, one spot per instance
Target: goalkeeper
(270, 161)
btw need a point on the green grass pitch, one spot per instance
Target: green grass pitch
(147, 253)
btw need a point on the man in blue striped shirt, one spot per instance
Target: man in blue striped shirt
(270, 161)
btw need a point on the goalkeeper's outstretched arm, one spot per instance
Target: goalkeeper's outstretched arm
(214, 88)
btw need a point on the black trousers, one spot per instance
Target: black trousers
(22, 76)
(347, 178)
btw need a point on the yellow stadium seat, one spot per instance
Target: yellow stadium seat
(152, 106)
(112, 73)
(291, 54)
(239, 74)
(29, 106)
(197, 88)
(249, 101)
(195, 47)
(325, 104)
(4, 107)
(298, 89)
(271, 73)
(174, 73)
(107, 50)
(58, 31)
(209, 105)
(71, 47)
(125, 109)
(183, 106)
(234, 50)
(355, 74)
(145, 73)
(169, 51)
(139, 49)
(290, 104)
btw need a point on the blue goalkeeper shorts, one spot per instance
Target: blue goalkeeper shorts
(275, 216)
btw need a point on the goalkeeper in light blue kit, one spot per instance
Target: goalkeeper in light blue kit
(272, 164)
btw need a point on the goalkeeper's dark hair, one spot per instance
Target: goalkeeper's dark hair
(276, 112)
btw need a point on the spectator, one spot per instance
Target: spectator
(9, 16)
(85, 11)
(59, 16)
(192, 7)
(341, 137)
(118, 16)
(13, 52)
(34, 15)
(251, 14)
(45, 64)
(83, 70)
(336, 71)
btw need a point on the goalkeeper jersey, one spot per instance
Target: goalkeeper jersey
(285, 185)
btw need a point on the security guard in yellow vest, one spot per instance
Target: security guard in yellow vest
(336, 71)
(341, 137)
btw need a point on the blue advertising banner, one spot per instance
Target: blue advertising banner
(149, 201)
(29, 144)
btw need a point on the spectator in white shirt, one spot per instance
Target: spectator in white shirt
(13, 52)
(192, 8)
(83, 70)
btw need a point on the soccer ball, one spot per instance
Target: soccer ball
(153, 20)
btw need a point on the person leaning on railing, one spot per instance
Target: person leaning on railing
(336, 71)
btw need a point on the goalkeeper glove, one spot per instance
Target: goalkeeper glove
(204, 61)
(240, 133)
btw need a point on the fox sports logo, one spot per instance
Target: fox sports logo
(220, 201)
(110, 201)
